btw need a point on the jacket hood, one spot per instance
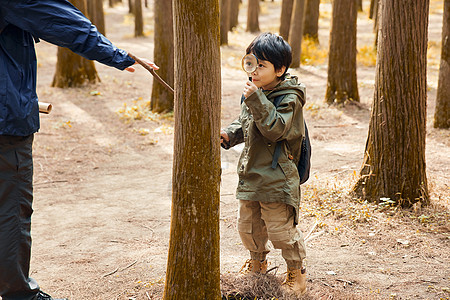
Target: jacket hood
(291, 84)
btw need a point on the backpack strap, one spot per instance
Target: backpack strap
(277, 151)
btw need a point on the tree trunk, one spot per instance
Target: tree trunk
(96, 14)
(342, 83)
(442, 111)
(162, 99)
(138, 19)
(394, 160)
(73, 70)
(252, 16)
(193, 268)
(234, 13)
(374, 14)
(131, 6)
(296, 31)
(285, 19)
(360, 5)
(224, 21)
(311, 24)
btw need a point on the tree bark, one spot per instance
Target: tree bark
(442, 111)
(311, 24)
(394, 160)
(224, 21)
(252, 16)
(193, 268)
(162, 99)
(73, 70)
(97, 15)
(296, 31)
(342, 83)
(285, 19)
(138, 19)
(234, 13)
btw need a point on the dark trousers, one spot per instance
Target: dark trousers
(16, 198)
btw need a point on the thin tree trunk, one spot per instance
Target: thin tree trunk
(342, 83)
(138, 19)
(285, 19)
(73, 70)
(224, 21)
(193, 268)
(296, 32)
(394, 160)
(252, 16)
(442, 111)
(311, 23)
(162, 99)
(234, 13)
(96, 14)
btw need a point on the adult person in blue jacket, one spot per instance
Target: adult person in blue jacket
(22, 22)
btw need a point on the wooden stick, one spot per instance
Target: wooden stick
(146, 66)
(45, 108)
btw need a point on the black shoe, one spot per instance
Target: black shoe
(43, 296)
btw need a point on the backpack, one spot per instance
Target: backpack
(304, 164)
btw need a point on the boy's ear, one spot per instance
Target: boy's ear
(280, 72)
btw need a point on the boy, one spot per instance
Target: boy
(269, 197)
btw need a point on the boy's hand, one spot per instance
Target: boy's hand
(224, 140)
(249, 88)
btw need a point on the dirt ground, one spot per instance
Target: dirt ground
(103, 183)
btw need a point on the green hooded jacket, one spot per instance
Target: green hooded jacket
(260, 126)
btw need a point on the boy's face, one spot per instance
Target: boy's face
(265, 76)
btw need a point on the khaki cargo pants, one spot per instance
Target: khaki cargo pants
(259, 222)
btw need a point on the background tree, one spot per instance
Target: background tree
(394, 159)
(442, 111)
(374, 15)
(73, 70)
(342, 83)
(296, 31)
(131, 6)
(311, 23)
(285, 19)
(234, 13)
(252, 16)
(193, 268)
(224, 21)
(162, 99)
(96, 14)
(138, 18)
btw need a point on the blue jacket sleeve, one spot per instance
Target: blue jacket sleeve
(60, 23)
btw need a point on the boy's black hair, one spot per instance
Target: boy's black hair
(273, 48)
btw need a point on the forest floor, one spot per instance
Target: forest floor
(103, 182)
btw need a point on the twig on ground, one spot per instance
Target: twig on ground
(146, 293)
(311, 230)
(345, 281)
(110, 273)
(117, 269)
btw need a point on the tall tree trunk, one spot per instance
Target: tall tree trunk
(296, 31)
(394, 160)
(252, 16)
(234, 13)
(73, 70)
(138, 19)
(162, 99)
(442, 111)
(342, 83)
(374, 14)
(360, 5)
(96, 14)
(311, 24)
(193, 268)
(224, 21)
(285, 19)
(131, 6)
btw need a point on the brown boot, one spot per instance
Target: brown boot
(296, 281)
(254, 266)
